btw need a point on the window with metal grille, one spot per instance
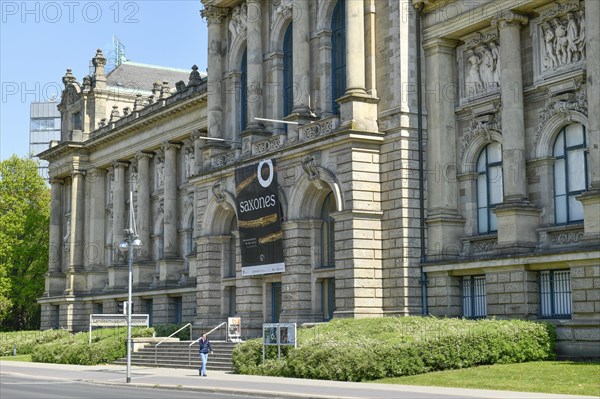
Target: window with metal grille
(473, 297)
(570, 173)
(555, 294)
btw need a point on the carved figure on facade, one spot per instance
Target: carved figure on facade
(138, 104)
(311, 167)
(562, 32)
(67, 237)
(160, 172)
(218, 192)
(238, 21)
(115, 115)
(195, 78)
(189, 161)
(473, 81)
(133, 178)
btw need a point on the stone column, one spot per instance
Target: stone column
(75, 262)
(215, 17)
(95, 246)
(325, 88)
(143, 203)
(255, 63)
(301, 56)
(371, 50)
(358, 110)
(170, 216)
(445, 225)
(119, 215)
(517, 218)
(56, 245)
(355, 47)
(513, 122)
(591, 199)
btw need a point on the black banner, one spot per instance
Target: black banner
(259, 219)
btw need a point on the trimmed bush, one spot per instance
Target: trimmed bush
(369, 349)
(26, 341)
(164, 330)
(106, 347)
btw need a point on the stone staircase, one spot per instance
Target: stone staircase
(178, 354)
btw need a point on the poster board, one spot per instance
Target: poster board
(259, 219)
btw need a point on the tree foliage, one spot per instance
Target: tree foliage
(24, 227)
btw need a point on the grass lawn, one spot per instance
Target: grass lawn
(19, 358)
(549, 377)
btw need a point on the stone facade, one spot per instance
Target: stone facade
(488, 76)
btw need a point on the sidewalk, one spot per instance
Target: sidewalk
(225, 383)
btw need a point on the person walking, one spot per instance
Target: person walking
(204, 349)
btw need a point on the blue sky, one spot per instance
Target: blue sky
(39, 40)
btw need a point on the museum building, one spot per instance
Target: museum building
(431, 157)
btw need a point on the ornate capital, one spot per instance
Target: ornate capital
(169, 146)
(197, 134)
(143, 155)
(509, 18)
(119, 164)
(214, 14)
(96, 172)
(76, 172)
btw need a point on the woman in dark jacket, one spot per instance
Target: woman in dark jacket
(205, 349)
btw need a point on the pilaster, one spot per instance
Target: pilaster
(444, 222)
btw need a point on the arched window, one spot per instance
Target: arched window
(288, 72)
(328, 232)
(338, 53)
(570, 173)
(489, 187)
(244, 93)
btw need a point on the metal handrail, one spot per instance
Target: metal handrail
(156, 346)
(211, 331)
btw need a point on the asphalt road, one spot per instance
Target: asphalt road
(21, 387)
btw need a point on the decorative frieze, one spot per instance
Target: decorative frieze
(223, 159)
(559, 237)
(479, 246)
(271, 144)
(558, 39)
(318, 128)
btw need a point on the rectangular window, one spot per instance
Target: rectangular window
(555, 294)
(473, 297)
(148, 309)
(177, 310)
(98, 308)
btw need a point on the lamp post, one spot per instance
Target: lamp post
(130, 243)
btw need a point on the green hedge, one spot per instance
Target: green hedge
(368, 349)
(26, 341)
(107, 346)
(164, 330)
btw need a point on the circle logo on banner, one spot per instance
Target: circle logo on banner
(263, 182)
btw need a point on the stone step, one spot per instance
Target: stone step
(179, 354)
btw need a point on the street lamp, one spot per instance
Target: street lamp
(130, 243)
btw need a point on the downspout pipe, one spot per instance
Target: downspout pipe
(423, 255)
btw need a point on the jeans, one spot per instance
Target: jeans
(204, 358)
